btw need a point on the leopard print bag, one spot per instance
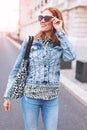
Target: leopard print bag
(17, 89)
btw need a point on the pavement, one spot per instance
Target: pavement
(74, 86)
(68, 80)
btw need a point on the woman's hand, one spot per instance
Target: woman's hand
(57, 23)
(7, 105)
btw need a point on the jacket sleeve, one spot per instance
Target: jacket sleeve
(15, 69)
(68, 53)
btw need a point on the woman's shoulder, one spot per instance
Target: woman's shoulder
(24, 43)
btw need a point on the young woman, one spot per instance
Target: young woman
(50, 45)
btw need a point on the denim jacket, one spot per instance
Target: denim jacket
(44, 62)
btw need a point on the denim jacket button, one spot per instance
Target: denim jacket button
(44, 82)
(45, 65)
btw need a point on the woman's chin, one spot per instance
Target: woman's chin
(43, 29)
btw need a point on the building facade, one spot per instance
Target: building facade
(74, 13)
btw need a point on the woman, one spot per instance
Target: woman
(50, 45)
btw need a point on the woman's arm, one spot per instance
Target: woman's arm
(68, 53)
(15, 69)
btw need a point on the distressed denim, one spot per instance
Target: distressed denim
(49, 111)
(44, 62)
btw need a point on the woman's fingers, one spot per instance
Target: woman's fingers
(7, 105)
(56, 20)
(57, 23)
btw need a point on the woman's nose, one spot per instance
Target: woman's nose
(43, 20)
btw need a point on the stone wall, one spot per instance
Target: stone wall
(75, 17)
(78, 22)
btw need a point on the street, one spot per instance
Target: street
(72, 114)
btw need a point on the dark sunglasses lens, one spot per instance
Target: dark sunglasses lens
(40, 18)
(47, 18)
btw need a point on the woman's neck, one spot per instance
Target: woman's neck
(48, 34)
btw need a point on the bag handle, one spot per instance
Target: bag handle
(28, 47)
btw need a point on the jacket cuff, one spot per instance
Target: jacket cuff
(61, 33)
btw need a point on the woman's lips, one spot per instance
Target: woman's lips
(42, 25)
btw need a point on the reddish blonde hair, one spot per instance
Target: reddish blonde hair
(56, 13)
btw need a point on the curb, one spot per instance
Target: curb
(75, 90)
(14, 43)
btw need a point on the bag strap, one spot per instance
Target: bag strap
(28, 47)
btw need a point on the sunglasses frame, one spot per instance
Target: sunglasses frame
(46, 18)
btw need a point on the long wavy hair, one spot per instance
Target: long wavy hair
(56, 13)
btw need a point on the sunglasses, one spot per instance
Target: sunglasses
(46, 18)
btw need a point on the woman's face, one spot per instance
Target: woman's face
(45, 21)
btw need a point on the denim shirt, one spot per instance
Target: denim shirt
(44, 62)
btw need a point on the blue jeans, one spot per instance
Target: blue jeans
(49, 110)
